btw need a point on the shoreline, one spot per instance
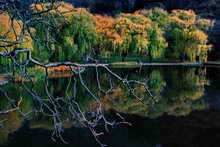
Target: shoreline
(4, 77)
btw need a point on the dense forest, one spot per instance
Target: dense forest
(155, 34)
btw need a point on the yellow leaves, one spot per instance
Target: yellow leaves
(184, 18)
(4, 23)
(103, 21)
(128, 33)
(204, 48)
(136, 18)
(10, 29)
(185, 15)
(135, 21)
(132, 33)
(104, 25)
(189, 34)
(61, 7)
(107, 35)
(178, 20)
(64, 7)
(204, 23)
(139, 32)
(199, 35)
(38, 7)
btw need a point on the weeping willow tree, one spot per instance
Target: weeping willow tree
(79, 35)
(107, 37)
(130, 35)
(133, 37)
(156, 43)
(184, 31)
(155, 34)
(71, 39)
(187, 36)
(121, 36)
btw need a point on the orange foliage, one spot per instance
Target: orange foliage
(11, 30)
(200, 36)
(183, 18)
(57, 68)
(116, 34)
(108, 38)
(131, 32)
(60, 74)
(136, 33)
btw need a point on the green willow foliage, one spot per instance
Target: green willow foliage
(154, 34)
(72, 39)
(157, 15)
(130, 35)
(184, 32)
(155, 44)
(188, 36)
(78, 36)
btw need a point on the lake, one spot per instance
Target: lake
(178, 106)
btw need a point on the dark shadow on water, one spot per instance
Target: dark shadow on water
(199, 129)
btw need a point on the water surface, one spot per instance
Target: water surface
(184, 109)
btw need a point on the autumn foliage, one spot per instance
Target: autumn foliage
(154, 34)
(11, 29)
(188, 35)
(129, 35)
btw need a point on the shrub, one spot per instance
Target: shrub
(79, 35)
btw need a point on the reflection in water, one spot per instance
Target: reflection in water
(176, 92)
(13, 123)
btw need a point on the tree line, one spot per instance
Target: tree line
(66, 33)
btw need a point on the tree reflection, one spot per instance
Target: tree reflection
(14, 122)
(176, 91)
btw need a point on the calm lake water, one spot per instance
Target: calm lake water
(184, 109)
